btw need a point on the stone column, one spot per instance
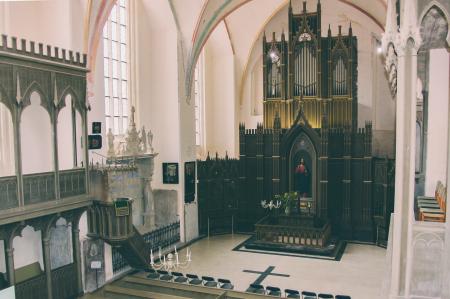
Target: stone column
(405, 168)
(47, 265)
(10, 263)
(145, 165)
(77, 256)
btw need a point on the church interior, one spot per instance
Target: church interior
(224, 149)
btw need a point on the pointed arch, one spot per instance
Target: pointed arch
(439, 7)
(35, 87)
(76, 100)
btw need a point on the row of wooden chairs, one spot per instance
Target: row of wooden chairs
(289, 293)
(191, 279)
(433, 208)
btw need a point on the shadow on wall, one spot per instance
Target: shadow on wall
(166, 206)
(383, 143)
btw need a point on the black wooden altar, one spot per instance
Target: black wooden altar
(310, 113)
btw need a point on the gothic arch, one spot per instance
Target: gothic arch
(435, 4)
(75, 99)
(36, 87)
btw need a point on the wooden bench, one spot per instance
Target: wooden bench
(433, 208)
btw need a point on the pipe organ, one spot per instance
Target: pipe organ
(308, 70)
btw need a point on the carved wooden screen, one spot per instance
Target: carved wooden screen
(305, 66)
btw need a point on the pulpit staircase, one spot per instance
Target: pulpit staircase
(112, 222)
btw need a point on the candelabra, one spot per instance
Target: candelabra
(170, 261)
(271, 205)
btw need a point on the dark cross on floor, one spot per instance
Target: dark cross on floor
(263, 275)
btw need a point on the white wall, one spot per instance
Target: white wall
(36, 138)
(436, 156)
(157, 81)
(28, 248)
(219, 94)
(54, 22)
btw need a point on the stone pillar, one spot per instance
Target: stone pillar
(10, 263)
(145, 165)
(47, 265)
(77, 255)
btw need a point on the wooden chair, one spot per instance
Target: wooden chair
(273, 291)
(179, 277)
(152, 274)
(164, 275)
(225, 284)
(309, 295)
(433, 208)
(194, 280)
(209, 281)
(292, 293)
(256, 289)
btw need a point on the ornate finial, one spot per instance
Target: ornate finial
(340, 30)
(273, 36)
(350, 30)
(264, 36)
(290, 5)
(304, 6)
(133, 110)
(329, 30)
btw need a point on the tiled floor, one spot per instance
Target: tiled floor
(359, 273)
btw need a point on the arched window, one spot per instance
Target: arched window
(115, 63)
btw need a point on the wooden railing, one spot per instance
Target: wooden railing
(292, 230)
(8, 192)
(64, 284)
(41, 187)
(163, 237)
(34, 288)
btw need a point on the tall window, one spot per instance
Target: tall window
(115, 49)
(199, 102)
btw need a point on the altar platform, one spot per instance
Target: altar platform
(300, 235)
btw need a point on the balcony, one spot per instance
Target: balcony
(41, 195)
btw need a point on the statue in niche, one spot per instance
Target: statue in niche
(302, 179)
(150, 141)
(110, 137)
(144, 140)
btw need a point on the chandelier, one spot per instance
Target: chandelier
(271, 204)
(170, 261)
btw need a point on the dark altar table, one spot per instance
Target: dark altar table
(293, 230)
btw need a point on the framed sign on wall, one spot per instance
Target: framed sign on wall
(189, 182)
(170, 173)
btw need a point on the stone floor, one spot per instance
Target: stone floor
(359, 273)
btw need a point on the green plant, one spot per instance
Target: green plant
(288, 199)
